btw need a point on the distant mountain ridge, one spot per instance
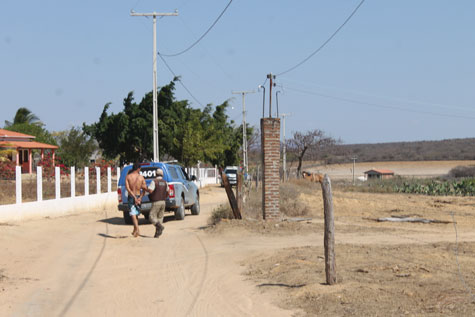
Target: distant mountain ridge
(450, 149)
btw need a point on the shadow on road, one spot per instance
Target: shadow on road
(119, 221)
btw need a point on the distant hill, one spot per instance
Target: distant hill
(452, 149)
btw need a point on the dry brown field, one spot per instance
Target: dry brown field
(413, 168)
(383, 268)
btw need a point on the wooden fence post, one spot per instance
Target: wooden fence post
(230, 193)
(329, 237)
(239, 191)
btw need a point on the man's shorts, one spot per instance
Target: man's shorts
(134, 209)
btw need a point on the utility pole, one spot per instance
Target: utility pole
(284, 154)
(244, 130)
(354, 159)
(156, 153)
(271, 84)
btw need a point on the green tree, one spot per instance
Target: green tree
(75, 147)
(24, 115)
(185, 134)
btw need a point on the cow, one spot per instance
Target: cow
(313, 177)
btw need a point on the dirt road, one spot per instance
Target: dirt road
(89, 265)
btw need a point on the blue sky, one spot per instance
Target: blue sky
(397, 71)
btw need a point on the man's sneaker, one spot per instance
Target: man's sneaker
(159, 230)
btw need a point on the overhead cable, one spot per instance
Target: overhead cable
(380, 105)
(324, 43)
(179, 80)
(202, 36)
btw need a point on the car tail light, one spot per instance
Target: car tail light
(119, 194)
(171, 193)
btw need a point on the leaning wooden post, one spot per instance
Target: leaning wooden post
(329, 237)
(230, 193)
(239, 192)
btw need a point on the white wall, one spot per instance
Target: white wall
(57, 207)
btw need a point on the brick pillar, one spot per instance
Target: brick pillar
(270, 147)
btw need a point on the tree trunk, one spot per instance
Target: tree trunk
(299, 167)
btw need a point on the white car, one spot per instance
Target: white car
(231, 173)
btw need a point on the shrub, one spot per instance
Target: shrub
(49, 168)
(222, 212)
(103, 165)
(462, 171)
(7, 170)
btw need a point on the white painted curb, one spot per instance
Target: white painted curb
(57, 207)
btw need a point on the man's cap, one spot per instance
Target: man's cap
(159, 172)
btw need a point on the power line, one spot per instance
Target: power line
(365, 94)
(179, 80)
(326, 42)
(380, 105)
(202, 36)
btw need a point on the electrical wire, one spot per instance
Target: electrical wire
(324, 43)
(202, 36)
(379, 105)
(179, 80)
(365, 94)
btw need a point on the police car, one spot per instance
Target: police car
(183, 194)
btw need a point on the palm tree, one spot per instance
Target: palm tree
(23, 115)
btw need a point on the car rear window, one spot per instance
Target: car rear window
(173, 172)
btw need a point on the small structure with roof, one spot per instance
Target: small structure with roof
(378, 174)
(23, 144)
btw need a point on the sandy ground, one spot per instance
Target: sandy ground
(89, 265)
(383, 268)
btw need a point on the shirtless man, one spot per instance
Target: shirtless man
(134, 182)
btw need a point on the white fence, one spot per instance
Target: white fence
(73, 204)
(204, 177)
(57, 176)
(60, 205)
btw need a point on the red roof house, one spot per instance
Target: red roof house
(23, 144)
(378, 173)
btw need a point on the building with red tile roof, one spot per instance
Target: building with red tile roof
(23, 144)
(378, 174)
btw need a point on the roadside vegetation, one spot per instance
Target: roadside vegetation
(460, 181)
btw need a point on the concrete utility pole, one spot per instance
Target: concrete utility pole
(156, 153)
(284, 154)
(271, 83)
(244, 132)
(354, 159)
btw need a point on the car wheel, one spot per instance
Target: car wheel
(195, 209)
(180, 211)
(127, 218)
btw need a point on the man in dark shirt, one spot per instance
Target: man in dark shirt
(158, 190)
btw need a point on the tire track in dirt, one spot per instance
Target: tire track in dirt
(86, 279)
(203, 278)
